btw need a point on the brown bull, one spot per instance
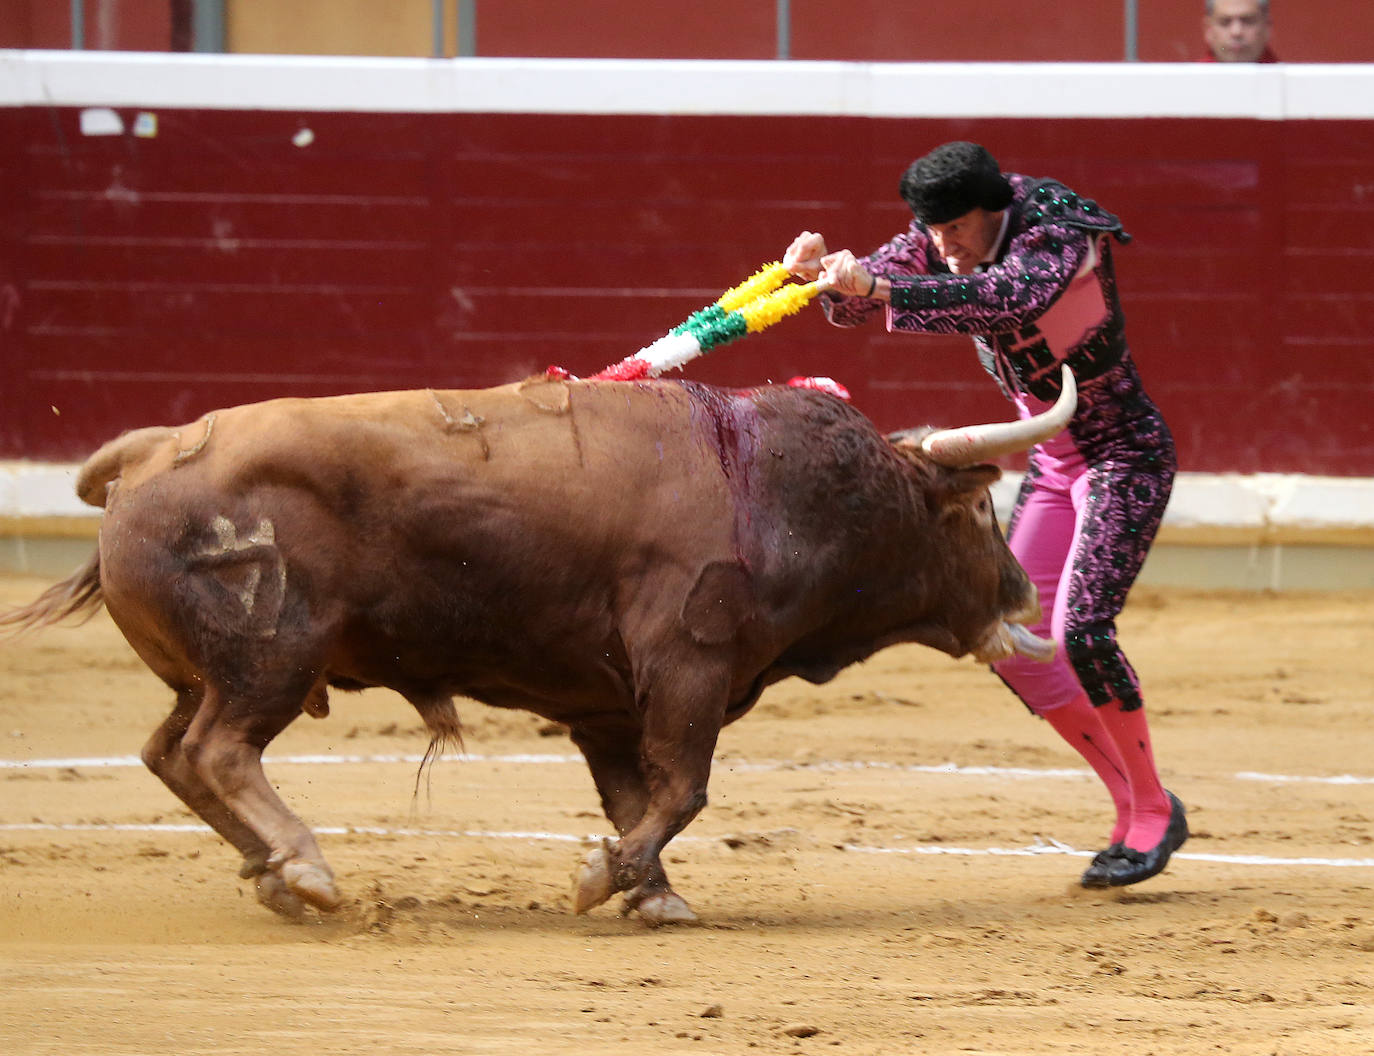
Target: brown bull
(636, 561)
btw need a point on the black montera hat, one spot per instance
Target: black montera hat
(952, 180)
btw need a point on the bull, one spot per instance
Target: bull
(636, 561)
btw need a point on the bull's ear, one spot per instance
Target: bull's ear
(968, 479)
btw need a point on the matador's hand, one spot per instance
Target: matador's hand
(803, 256)
(842, 272)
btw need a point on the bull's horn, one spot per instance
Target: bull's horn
(982, 443)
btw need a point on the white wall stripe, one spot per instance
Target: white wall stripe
(654, 86)
(1256, 507)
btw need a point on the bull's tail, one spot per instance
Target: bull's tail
(105, 466)
(77, 596)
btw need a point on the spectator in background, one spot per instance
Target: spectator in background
(1237, 31)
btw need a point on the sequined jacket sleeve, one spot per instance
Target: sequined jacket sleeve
(910, 253)
(1043, 253)
(1016, 290)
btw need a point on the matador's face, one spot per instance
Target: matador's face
(966, 240)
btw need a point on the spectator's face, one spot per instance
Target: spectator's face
(966, 240)
(1236, 30)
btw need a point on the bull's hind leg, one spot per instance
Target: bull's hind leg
(165, 757)
(224, 746)
(683, 704)
(611, 748)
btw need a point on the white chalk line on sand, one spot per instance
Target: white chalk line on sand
(763, 766)
(1041, 845)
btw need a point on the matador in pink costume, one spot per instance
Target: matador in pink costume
(1024, 267)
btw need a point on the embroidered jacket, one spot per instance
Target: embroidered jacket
(1049, 296)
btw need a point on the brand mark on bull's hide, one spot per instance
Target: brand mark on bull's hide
(251, 569)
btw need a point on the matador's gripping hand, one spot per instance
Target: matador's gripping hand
(803, 256)
(843, 273)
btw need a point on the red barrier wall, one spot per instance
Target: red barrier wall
(864, 30)
(148, 280)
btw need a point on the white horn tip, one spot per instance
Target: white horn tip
(1068, 388)
(982, 443)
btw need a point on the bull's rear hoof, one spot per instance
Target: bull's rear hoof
(313, 882)
(666, 907)
(592, 883)
(275, 895)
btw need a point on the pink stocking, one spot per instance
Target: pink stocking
(1149, 803)
(1081, 726)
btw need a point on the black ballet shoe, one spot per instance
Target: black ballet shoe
(1130, 866)
(1098, 874)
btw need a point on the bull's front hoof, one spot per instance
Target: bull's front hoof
(592, 883)
(313, 882)
(252, 867)
(666, 907)
(275, 895)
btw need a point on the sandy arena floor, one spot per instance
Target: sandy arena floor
(857, 894)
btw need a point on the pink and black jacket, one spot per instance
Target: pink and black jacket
(1048, 297)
